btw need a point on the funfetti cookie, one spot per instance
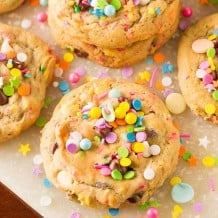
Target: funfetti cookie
(26, 68)
(113, 33)
(198, 67)
(109, 142)
(9, 5)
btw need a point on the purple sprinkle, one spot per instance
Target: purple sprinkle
(80, 71)
(127, 72)
(183, 25)
(75, 215)
(2, 56)
(198, 207)
(111, 137)
(103, 74)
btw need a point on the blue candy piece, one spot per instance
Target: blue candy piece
(63, 86)
(139, 121)
(113, 211)
(85, 144)
(137, 104)
(182, 193)
(130, 137)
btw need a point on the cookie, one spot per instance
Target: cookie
(103, 38)
(26, 68)
(109, 142)
(198, 67)
(9, 5)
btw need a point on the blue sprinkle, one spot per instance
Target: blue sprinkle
(157, 11)
(63, 86)
(139, 121)
(27, 75)
(149, 60)
(137, 105)
(85, 116)
(113, 211)
(167, 68)
(47, 183)
(130, 137)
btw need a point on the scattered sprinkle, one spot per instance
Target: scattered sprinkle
(45, 201)
(24, 149)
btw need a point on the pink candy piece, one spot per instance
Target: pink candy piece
(202, 45)
(207, 79)
(105, 171)
(74, 77)
(111, 137)
(187, 12)
(152, 212)
(72, 148)
(42, 17)
(141, 136)
(204, 65)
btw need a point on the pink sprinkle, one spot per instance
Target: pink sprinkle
(74, 77)
(185, 135)
(212, 185)
(75, 215)
(105, 171)
(207, 79)
(42, 17)
(103, 74)
(24, 70)
(204, 65)
(198, 207)
(101, 96)
(127, 72)
(111, 137)
(153, 76)
(98, 166)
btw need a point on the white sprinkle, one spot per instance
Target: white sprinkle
(26, 23)
(21, 57)
(45, 201)
(154, 149)
(166, 81)
(55, 84)
(37, 159)
(149, 174)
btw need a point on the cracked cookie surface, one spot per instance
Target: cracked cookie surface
(109, 142)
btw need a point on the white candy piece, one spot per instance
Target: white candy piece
(64, 178)
(202, 45)
(200, 73)
(154, 149)
(5, 48)
(25, 23)
(45, 201)
(149, 174)
(37, 159)
(175, 103)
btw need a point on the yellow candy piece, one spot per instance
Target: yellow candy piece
(175, 180)
(68, 57)
(151, 11)
(120, 113)
(95, 113)
(130, 118)
(124, 106)
(145, 75)
(125, 162)
(177, 210)
(208, 161)
(15, 72)
(210, 109)
(138, 147)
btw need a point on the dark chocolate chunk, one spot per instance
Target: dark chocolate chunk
(3, 98)
(81, 54)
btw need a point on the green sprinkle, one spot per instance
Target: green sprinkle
(139, 129)
(211, 52)
(15, 82)
(123, 152)
(76, 9)
(40, 122)
(187, 155)
(130, 129)
(148, 204)
(129, 174)
(116, 174)
(47, 102)
(215, 95)
(8, 90)
(42, 69)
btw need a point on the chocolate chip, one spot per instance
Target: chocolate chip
(3, 98)
(55, 147)
(18, 64)
(136, 197)
(81, 54)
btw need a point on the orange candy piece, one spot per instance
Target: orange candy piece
(120, 122)
(24, 89)
(11, 55)
(34, 2)
(182, 150)
(64, 65)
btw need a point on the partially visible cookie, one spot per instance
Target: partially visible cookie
(109, 142)
(26, 68)
(198, 67)
(9, 5)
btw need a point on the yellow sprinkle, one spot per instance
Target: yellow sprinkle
(208, 161)
(212, 37)
(210, 109)
(68, 57)
(175, 180)
(15, 72)
(212, 66)
(95, 113)
(177, 209)
(125, 162)
(79, 114)
(145, 76)
(151, 11)
(140, 113)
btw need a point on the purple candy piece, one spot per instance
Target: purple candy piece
(111, 137)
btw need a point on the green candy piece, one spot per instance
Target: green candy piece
(211, 52)
(8, 90)
(47, 102)
(129, 174)
(187, 155)
(15, 82)
(77, 9)
(42, 69)
(123, 152)
(213, 1)
(130, 129)
(116, 4)
(40, 122)
(215, 95)
(116, 174)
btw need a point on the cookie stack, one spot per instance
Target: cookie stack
(114, 33)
